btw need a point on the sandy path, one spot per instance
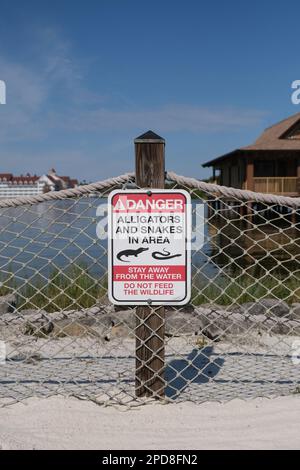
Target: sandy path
(60, 423)
(79, 367)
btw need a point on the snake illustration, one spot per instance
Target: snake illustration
(166, 255)
(130, 253)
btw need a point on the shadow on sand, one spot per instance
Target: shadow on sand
(198, 367)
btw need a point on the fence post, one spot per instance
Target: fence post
(150, 322)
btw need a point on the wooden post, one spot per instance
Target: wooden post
(214, 175)
(298, 176)
(250, 174)
(295, 215)
(150, 321)
(249, 185)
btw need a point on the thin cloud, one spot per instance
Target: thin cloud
(169, 118)
(50, 95)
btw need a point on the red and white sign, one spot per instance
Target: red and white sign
(149, 256)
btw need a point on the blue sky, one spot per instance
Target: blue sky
(85, 78)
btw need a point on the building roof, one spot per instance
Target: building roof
(50, 177)
(7, 176)
(10, 178)
(285, 135)
(59, 181)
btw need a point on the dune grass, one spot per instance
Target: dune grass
(226, 291)
(76, 288)
(72, 288)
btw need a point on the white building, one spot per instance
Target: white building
(31, 185)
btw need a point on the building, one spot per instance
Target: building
(270, 165)
(31, 185)
(56, 183)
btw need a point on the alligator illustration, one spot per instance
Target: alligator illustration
(130, 253)
(166, 255)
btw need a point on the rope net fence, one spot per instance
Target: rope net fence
(239, 337)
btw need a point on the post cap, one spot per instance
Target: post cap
(149, 137)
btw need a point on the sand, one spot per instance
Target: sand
(247, 367)
(251, 366)
(69, 423)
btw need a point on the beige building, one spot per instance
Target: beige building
(270, 165)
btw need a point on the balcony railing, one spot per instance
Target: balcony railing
(276, 185)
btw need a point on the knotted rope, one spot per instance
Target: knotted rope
(215, 189)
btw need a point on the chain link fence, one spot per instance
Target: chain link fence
(239, 337)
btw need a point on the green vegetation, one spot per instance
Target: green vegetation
(224, 290)
(5, 289)
(76, 288)
(72, 288)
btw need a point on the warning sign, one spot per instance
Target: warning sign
(149, 247)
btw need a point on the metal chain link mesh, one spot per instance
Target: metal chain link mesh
(238, 338)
